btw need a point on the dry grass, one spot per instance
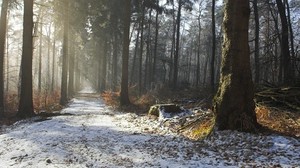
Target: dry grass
(41, 102)
(47, 102)
(279, 120)
(200, 129)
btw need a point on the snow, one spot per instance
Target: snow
(90, 134)
(165, 115)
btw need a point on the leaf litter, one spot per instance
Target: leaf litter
(96, 136)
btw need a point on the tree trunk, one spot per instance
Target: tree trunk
(71, 69)
(48, 60)
(40, 59)
(176, 55)
(115, 61)
(256, 53)
(53, 63)
(104, 66)
(148, 54)
(3, 27)
(133, 68)
(233, 103)
(172, 47)
(141, 51)
(64, 80)
(153, 78)
(26, 102)
(291, 33)
(198, 52)
(285, 52)
(213, 55)
(124, 98)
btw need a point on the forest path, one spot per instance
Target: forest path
(89, 135)
(92, 135)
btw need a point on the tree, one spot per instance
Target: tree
(26, 102)
(124, 99)
(285, 52)
(158, 11)
(213, 54)
(176, 55)
(64, 80)
(233, 103)
(3, 27)
(187, 4)
(256, 52)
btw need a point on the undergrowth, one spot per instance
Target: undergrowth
(279, 120)
(42, 102)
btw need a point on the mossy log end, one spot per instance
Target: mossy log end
(170, 108)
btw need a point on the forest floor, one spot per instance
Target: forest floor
(91, 134)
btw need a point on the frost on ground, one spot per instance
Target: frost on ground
(92, 135)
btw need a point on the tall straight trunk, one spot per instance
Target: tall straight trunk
(291, 33)
(285, 52)
(176, 55)
(148, 54)
(53, 63)
(3, 28)
(124, 98)
(234, 104)
(115, 61)
(99, 55)
(198, 52)
(64, 80)
(172, 48)
(7, 63)
(48, 59)
(133, 70)
(205, 72)
(77, 74)
(26, 102)
(153, 78)
(104, 66)
(40, 59)
(256, 53)
(141, 51)
(71, 69)
(276, 25)
(213, 55)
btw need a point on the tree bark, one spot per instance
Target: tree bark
(40, 59)
(153, 78)
(64, 80)
(233, 103)
(133, 68)
(53, 62)
(141, 51)
(176, 55)
(213, 55)
(285, 52)
(256, 53)
(26, 102)
(3, 28)
(115, 61)
(291, 33)
(71, 69)
(124, 98)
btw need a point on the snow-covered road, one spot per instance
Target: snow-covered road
(95, 136)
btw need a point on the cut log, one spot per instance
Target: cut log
(164, 111)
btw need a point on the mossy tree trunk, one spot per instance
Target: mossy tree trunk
(233, 104)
